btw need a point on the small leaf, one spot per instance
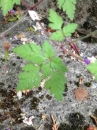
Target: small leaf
(69, 29)
(60, 3)
(68, 6)
(56, 85)
(30, 52)
(92, 67)
(55, 19)
(48, 49)
(58, 36)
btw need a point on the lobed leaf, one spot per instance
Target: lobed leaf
(69, 29)
(51, 67)
(55, 19)
(68, 6)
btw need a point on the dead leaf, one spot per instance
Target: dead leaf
(80, 93)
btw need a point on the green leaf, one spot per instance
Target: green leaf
(69, 29)
(58, 36)
(29, 78)
(46, 70)
(68, 6)
(56, 85)
(7, 5)
(30, 52)
(58, 65)
(93, 68)
(48, 49)
(55, 19)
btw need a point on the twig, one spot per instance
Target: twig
(26, 4)
(88, 35)
(31, 8)
(5, 32)
(74, 55)
(55, 125)
(94, 118)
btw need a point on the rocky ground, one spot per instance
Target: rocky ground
(71, 113)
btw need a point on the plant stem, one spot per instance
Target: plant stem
(88, 35)
(26, 4)
(6, 55)
(46, 32)
(33, 7)
(74, 55)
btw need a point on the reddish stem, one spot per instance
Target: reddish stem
(26, 4)
(33, 7)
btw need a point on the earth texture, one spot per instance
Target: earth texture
(72, 113)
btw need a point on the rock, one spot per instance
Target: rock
(80, 93)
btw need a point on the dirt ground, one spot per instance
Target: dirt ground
(70, 114)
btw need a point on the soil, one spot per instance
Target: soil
(70, 113)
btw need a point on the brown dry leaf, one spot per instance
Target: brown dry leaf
(80, 93)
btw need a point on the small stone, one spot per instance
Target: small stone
(80, 93)
(91, 128)
(19, 95)
(24, 39)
